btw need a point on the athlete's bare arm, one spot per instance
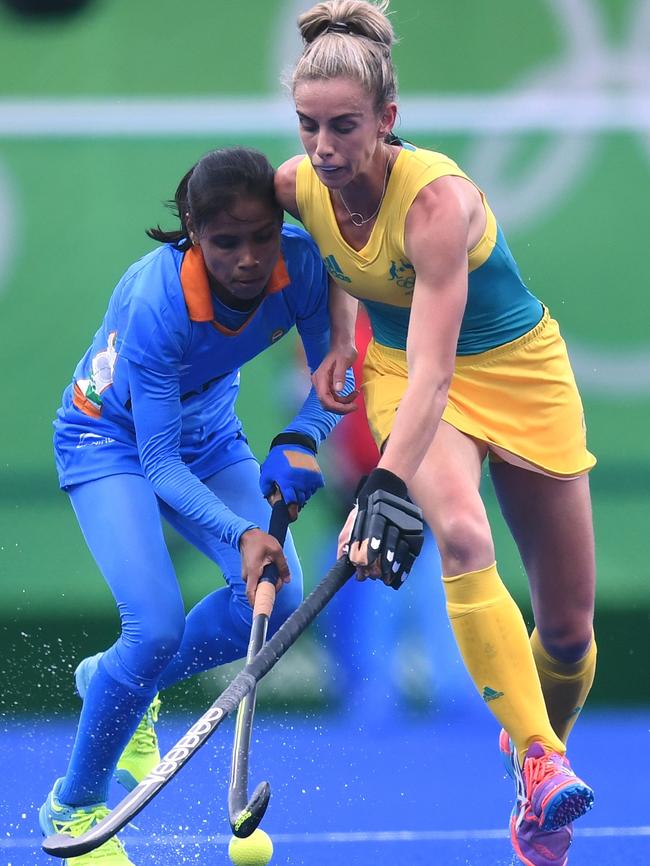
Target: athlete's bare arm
(343, 312)
(329, 378)
(439, 231)
(285, 185)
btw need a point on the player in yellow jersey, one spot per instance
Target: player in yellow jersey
(466, 365)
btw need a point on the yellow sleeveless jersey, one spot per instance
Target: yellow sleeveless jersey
(499, 306)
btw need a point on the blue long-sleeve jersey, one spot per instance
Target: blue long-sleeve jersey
(155, 392)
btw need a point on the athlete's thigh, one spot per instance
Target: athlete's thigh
(446, 486)
(237, 486)
(120, 521)
(551, 522)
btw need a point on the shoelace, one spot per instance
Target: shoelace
(145, 739)
(525, 814)
(537, 770)
(83, 820)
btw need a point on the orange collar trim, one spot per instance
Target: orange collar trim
(196, 287)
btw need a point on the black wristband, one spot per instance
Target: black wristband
(381, 479)
(359, 488)
(291, 438)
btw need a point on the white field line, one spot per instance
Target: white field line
(174, 839)
(526, 111)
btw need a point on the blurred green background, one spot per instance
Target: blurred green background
(101, 112)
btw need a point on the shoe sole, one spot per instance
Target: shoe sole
(44, 822)
(566, 806)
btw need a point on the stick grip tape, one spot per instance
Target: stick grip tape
(264, 598)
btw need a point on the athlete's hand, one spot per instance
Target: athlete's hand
(343, 546)
(291, 468)
(257, 550)
(329, 380)
(343, 549)
(386, 533)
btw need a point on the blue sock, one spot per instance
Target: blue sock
(111, 712)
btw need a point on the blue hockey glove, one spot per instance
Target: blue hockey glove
(291, 465)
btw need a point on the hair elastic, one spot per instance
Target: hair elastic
(339, 27)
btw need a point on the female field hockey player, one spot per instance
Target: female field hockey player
(466, 364)
(148, 428)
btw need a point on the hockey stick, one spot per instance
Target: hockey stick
(245, 814)
(61, 845)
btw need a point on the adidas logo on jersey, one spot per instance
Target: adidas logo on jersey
(334, 269)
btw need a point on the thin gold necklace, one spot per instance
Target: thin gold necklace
(357, 218)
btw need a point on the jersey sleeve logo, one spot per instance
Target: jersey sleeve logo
(87, 392)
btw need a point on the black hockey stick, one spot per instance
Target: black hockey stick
(60, 845)
(245, 814)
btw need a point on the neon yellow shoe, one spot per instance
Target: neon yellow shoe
(141, 753)
(56, 817)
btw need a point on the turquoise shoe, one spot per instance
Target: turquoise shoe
(56, 817)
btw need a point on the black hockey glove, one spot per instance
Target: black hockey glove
(390, 523)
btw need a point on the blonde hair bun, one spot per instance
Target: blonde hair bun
(361, 17)
(348, 39)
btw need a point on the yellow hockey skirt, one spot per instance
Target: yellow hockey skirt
(521, 399)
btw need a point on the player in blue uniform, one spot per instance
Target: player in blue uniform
(148, 427)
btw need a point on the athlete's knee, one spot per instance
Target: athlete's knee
(150, 645)
(464, 541)
(162, 645)
(566, 644)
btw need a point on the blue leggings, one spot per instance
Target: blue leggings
(159, 645)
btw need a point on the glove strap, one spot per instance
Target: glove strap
(380, 479)
(291, 438)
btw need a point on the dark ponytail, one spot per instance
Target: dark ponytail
(181, 237)
(213, 185)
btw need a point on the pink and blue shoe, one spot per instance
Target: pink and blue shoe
(549, 798)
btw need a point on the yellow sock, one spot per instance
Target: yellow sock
(565, 686)
(493, 641)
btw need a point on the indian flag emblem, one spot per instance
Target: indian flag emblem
(87, 392)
